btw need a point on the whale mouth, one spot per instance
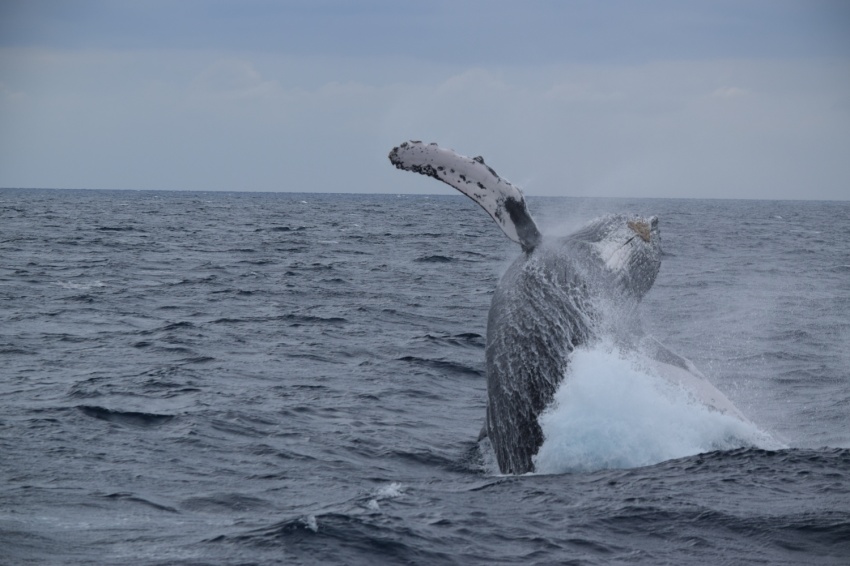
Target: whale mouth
(641, 228)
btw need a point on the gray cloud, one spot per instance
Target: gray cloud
(690, 123)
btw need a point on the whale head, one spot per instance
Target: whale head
(627, 249)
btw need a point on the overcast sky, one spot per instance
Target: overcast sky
(653, 98)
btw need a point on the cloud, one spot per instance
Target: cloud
(729, 92)
(207, 120)
(664, 129)
(10, 95)
(233, 77)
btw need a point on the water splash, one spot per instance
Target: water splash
(613, 410)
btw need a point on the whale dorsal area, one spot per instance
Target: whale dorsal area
(471, 176)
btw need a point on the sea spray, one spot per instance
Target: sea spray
(612, 411)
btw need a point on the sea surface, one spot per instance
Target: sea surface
(250, 378)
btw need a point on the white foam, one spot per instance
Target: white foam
(489, 463)
(80, 286)
(389, 491)
(612, 411)
(311, 523)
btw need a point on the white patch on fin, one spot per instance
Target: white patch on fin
(471, 176)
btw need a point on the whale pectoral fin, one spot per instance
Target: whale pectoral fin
(471, 176)
(682, 372)
(653, 348)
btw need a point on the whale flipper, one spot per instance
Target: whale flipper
(683, 373)
(471, 176)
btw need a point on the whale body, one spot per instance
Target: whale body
(558, 295)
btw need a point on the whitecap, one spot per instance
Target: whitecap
(311, 523)
(80, 286)
(390, 491)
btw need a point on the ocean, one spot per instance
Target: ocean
(282, 378)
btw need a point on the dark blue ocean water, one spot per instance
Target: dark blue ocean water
(207, 378)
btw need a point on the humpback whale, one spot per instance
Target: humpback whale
(559, 294)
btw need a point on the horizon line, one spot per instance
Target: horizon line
(448, 194)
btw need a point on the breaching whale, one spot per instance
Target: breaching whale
(558, 295)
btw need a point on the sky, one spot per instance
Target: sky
(619, 98)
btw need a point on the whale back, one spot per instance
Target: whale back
(540, 312)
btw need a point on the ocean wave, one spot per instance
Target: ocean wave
(128, 418)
